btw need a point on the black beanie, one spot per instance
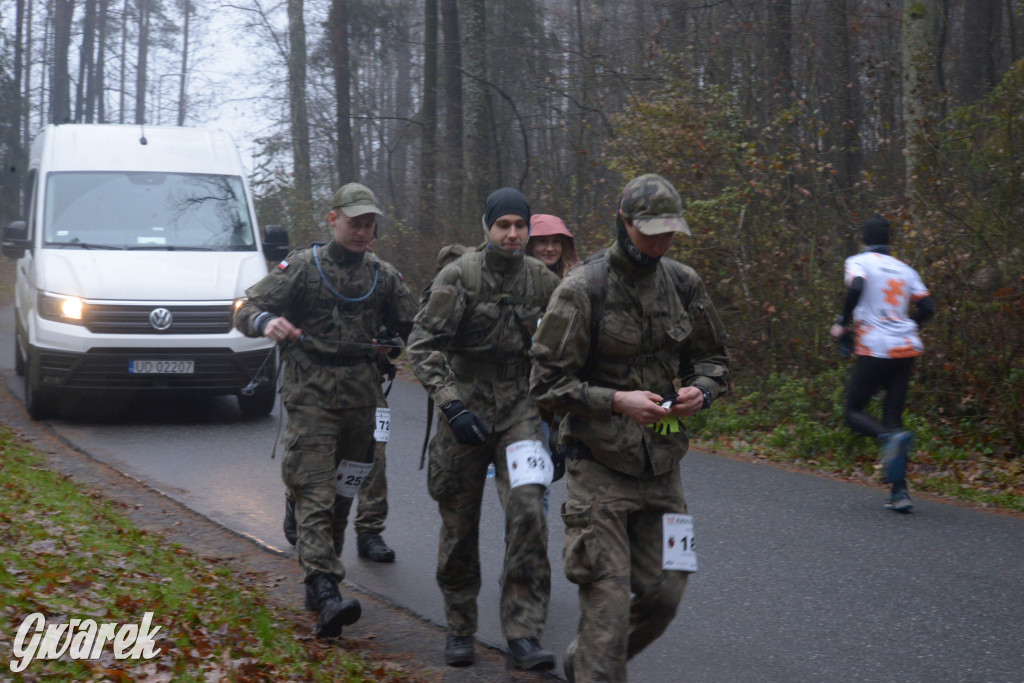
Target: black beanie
(875, 231)
(507, 200)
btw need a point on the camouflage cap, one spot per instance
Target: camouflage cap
(653, 205)
(355, 200)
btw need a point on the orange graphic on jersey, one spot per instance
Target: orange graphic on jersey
(894, 292)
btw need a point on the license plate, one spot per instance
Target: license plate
(162, 367)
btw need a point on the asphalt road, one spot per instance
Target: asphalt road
(802, 578)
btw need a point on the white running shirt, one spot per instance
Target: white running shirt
(883, 325)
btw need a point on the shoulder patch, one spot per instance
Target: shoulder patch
(283, 264)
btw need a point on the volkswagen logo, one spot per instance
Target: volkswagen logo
(160, 319)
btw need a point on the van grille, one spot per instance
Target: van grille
(127, 319)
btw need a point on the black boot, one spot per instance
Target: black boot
(291, 529)
(333, 611)
(528, 655)
(373, 547)
(459, 651)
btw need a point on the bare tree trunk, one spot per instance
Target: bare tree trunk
(19, 65)
(141, 67)
(839, 115)
(919, 93)
(452, 149)
(428, 122)
(780, 52)
(60, 86)
(978, 54)
(123, 106)
(299, 128)
(100, 89)
(85, 63)
(339, 21)
(182, 80)
(476, 155)
(27, 90)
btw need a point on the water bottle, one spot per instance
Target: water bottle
(490, 471)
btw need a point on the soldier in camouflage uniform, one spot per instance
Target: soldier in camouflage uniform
(654, 336)
(470, 350)
(325, 305)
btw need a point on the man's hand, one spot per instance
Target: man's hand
(837, 331)
(689, 401)
(280, 329)
(468, 429)
(640, 406)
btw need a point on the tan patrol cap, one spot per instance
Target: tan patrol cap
(653, 205)
(355, 200)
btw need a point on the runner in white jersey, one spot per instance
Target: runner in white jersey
(879, 292)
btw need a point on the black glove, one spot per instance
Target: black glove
(558, 461)
(467, 427)
(557, 451)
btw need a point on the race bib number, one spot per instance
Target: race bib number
(528, 463)
(350, 477)
(677, 551)
(382, 427)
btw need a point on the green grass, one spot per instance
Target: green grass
(70, 555)
(800, 421)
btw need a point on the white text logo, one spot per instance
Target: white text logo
(81, 639)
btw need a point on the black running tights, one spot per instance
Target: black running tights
(869, 376)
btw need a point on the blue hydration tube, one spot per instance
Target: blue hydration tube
(364, 297)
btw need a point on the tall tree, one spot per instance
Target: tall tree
(345, 152)
(452, 54)
(187, 10)
(428, 121)
(920, 22)
(839, 115)
(980, 45)
(476, 153)
(145, 10)
(86, 72)
(97, 99)
(60, 81)
(299, 119)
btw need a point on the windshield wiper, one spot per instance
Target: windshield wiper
(165, 247)
(82, 245)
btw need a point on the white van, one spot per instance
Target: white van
(138, 245)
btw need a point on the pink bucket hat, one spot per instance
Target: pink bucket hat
(542, 225)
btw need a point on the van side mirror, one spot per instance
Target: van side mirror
(275, 246)
(15, 239)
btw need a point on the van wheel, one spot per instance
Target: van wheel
(38, 402)
(261, 402)
(19, 360)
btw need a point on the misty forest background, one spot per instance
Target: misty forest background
(783, 123)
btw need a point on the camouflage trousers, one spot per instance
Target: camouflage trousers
(372, 508)
(372, 505)
(316, 441)
(456, 480)
(612, 551)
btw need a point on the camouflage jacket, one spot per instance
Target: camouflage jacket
(333, 364)
(654, 333)
(474, 347)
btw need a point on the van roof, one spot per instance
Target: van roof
(117, 147)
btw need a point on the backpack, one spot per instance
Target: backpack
(595, 271)
(472, 269)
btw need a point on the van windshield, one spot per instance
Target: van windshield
(125, 210)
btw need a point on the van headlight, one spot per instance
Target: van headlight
(63, 309)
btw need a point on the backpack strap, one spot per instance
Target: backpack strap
(472, 270)
(472, 278)
(595, 270)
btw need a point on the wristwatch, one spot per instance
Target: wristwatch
(707, 398)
